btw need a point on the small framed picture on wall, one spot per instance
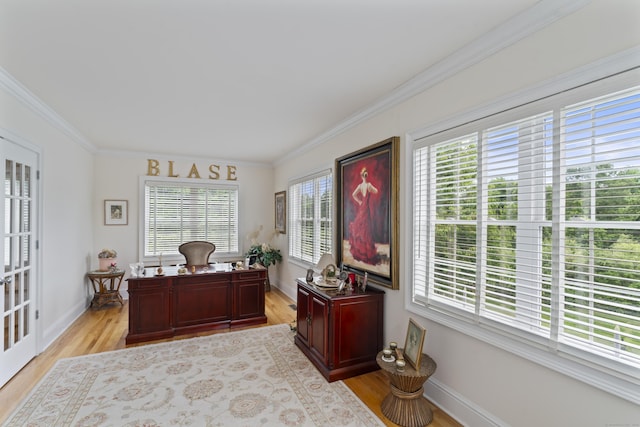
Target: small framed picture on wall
(116, 212)
(281, 212)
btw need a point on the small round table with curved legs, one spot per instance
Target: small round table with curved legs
(405, 405)
(106, 287)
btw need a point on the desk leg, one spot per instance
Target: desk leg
(407, 409)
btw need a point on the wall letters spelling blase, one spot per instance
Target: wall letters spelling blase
(153, 169)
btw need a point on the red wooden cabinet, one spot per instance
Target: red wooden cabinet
(340, 334)
(164, 306)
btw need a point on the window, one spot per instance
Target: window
(310, 207)
(176, 212)
(528, 224)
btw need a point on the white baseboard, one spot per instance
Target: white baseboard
(462, 410)
(289, 291)
(53, 332)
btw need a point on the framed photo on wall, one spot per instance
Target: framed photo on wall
(116, 212)
(367, 212)
(281, 212)
(413, 344)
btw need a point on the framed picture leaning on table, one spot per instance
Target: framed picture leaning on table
(413, 343)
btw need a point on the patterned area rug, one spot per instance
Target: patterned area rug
(255, 377)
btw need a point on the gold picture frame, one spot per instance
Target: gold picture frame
(367, 212)
(413, 344)
(116, 212)
(280, 203)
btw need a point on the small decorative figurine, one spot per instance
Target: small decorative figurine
(159, 271)
(363, 284)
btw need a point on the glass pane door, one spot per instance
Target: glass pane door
(17, 296)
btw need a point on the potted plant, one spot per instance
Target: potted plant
(107, 259)
(265, 255)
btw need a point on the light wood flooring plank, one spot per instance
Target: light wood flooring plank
(106, 328)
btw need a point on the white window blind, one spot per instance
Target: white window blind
(176, 213)
(310, 206)
(534, 224)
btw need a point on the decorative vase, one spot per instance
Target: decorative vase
(105, 263)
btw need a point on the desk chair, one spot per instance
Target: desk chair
(197, 252)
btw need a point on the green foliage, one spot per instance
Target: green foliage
(107, 253)
(600, 265)
(266, 255)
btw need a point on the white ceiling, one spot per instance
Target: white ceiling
(243, 80)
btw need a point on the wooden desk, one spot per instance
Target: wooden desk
(172, 304)
(106, 287)
(405, 405)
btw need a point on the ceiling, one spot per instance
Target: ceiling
(242, 80)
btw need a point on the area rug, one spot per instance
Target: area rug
(254, 377)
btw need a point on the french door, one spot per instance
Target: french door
(18, 166)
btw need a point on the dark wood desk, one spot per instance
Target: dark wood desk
(173, 304)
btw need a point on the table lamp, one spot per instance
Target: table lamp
(326, 265)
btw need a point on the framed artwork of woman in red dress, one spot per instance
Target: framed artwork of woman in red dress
(367, 212)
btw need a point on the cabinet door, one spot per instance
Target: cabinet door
(149, 307)
(248, 299)
(303, 316)
(200, 300)
(357, 333)
(318, 339)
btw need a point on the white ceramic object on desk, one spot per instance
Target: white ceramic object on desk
(137, 269)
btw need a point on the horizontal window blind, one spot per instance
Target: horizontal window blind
(310, 211)
(176, 213)
(534, 224)
(515, 162)
(600, 275)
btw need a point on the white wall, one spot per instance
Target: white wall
(476, 382)
(67, 215)
(117, 177)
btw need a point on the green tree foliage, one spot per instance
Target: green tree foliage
(606, 256)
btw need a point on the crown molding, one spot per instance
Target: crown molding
(24, 95)
(618, 63)
(539, 16)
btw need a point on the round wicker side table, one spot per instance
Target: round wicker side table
(106, 287)
(404, 405)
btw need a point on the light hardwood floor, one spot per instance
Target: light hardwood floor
(105, 329)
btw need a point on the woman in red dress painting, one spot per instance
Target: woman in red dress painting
(363, 247)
